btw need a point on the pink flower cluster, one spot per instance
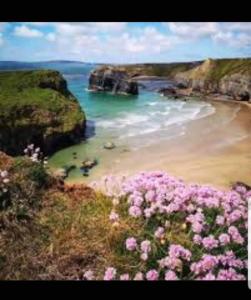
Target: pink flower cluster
(214, 221)
(4, 181)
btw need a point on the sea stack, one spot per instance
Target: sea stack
(112, 79)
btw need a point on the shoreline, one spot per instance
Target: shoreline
(216, 158)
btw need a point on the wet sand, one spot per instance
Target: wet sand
(214, 150)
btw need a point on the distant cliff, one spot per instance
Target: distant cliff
(231, 77)
(228, 77)
(168, 70)
(112, 79)
(37, 107)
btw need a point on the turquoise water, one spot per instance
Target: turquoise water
(130, 122)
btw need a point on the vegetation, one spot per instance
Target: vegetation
(158, 69)
(216, 69)
(122, 230)
(33, 106)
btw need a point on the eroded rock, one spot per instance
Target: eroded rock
(112, 79)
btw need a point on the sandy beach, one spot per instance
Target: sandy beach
(215, 150)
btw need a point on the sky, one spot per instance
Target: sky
(122, 42)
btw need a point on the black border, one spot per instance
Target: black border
(129, 10)
(115, 11)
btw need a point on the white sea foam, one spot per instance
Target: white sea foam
(140, 132)
(165, 119)
(153, 103)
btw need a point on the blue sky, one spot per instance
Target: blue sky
(124, 42)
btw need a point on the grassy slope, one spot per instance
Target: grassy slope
(214, 70)
(55, 232)
(28, 89)
(165, 70)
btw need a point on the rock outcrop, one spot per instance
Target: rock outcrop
(228, 77)
(112, 79)
(36, 107)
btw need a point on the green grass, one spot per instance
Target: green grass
(35, 103)
(221, 67)
(216, 69)
(159, 69)
(20, 80)
(43, 92)
(225, 67)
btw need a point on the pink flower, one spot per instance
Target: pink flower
(125, 277)
(177, 251)
(135, 211)
(150, 196)
(110, 274)
(224, 239)
(159, 233)
(207, 263)
(210, 242)
(230, 260)
(88, 275)
(131, 244)
(209, 276)
(145, 246)
(197, 239)
(3, 174)
(152, 275)
(114, 217)
(148, 212)
(235, 235)
(170, 275)
(230, 274)
(170, 262)
(137, 201)
(144, 256)
(220, 220)
(234, 216)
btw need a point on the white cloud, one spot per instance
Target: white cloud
(239, 40)
(241, 27)
(117, 41)
(193, 29)
(83, 27)
(233, 34)
(27, 32)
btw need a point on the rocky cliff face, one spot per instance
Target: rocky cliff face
(36, 107)
(112, 79)
(231, 77)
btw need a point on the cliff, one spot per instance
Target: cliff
(168, 70)
(112, 79)
(36, 107)
(231, 77)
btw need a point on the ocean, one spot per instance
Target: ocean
(130, 122)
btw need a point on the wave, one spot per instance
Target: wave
(121, 122)
(137, 132)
